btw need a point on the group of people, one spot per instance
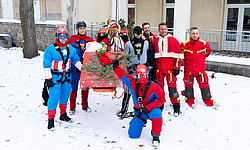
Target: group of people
(156, 58)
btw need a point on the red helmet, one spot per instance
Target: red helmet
(141, 69)
(61, 30)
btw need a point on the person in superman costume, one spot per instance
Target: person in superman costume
(147, 98)
(79, 41)
(57, 61)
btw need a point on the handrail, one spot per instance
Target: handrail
(221, 30)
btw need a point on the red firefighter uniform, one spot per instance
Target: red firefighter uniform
(168, 57)
(195, 53)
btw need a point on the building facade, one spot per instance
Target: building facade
(220, 16)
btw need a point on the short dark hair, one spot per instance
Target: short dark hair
(145, 23)
(193, 28)
(162, 24)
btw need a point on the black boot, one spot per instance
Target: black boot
(161, 107)
(125, 103)
(65, 118)
(51, 123)
(156, 141)
(176, 109)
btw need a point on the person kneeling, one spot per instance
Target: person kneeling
(147, 98)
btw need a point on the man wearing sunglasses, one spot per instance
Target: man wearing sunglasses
(147, 98)
(57, 61)
(79, 41)
(144, 53)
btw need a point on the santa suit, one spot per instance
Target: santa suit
(153, 100)
(56, 70)
(195, 53)
(168, 57)
(76, 41)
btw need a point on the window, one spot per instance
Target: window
(238, 1)
(168, 15)
(170, 1)
(131, 1)
(131, 11)
(131, 15)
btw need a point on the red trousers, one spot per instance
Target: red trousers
(202, 80)
(73, 95)
(171, 81)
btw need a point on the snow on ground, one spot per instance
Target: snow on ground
(23, 123)
(228, 59)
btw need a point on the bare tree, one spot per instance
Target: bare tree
(70, 24)
(30, 48)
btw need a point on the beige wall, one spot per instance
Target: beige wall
(207, 14)
(53, 8)
(93, 10)
(148, 11)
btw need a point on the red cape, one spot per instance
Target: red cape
(76, 37)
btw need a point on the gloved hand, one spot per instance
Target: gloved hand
(145, 111)
(115, 63)
(131, 69)
(49, 83)
(176, 72)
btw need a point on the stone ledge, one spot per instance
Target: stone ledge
(230, 68)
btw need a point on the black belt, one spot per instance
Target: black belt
(64, 73)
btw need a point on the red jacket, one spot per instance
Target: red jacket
(151, 37)
(195, 53)
(168, 53)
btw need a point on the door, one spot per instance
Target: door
(245, 39)
(37, 10)
(168, 14)
(237, 26)
(232, 28)
(7, 7)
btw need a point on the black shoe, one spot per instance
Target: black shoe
(87, 109)
(65, 118)
(120, 113)
(51, 124)
(156, 141)
(176, 109)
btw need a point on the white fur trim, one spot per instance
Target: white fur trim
(174, 55)
(47, 73)
(78, 65)
(163, 52)
(92, 46)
